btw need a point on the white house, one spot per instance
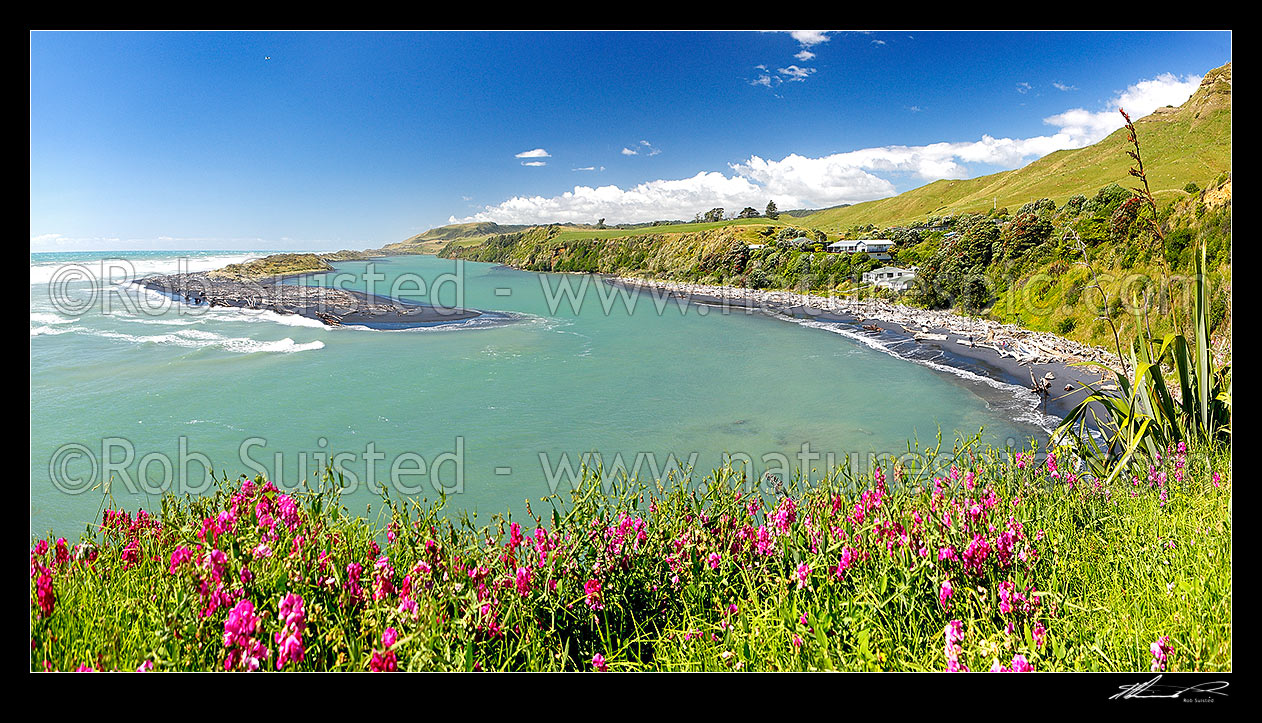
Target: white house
(891, 277)
(875, 247)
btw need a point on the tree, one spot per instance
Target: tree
(748, 212)
(714, 214)
(1023, 233)
(600, 223)
(772, 211)
(1112, 196)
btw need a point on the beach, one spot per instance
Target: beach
(1001, 352)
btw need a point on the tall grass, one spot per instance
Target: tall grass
(1143, 418)
(1035, 566)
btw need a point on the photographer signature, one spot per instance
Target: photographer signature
(1150, 689)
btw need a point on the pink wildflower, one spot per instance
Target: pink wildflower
(523, 580)
(593, 592)
(1160, 649)
(293, 623)
(240, 631)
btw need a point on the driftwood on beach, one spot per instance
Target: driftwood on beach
(1025, 346)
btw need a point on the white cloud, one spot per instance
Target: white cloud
(1061, 86)
(797, 181)
(807, 38)
(534, 163)
(795, 73)
(1084, 127)
(645, 146)
(765, 80)
(661, 199)
(878, 42)
(536, 153)
(1024, 88)
(802, 181)
(805, 55)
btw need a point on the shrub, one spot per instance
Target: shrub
(1074, 204)
(1111, 196)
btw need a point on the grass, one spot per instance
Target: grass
(569, 234)
(1192, 143)
(1046, 569)
(276, 265)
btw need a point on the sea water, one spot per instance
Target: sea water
(133, 396)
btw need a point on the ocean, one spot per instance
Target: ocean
(134, 394)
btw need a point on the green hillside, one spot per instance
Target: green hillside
(1191, 143)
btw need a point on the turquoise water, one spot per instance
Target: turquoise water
(490, 412)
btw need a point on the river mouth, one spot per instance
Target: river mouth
(517, 408)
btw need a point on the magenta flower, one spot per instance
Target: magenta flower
(803, 575)
(848, 557)
(385, 662)
(1160, 649)
(293, 621)
(240, 637)
(593, 592)
(44, 592)
(62, 551)
(954, 634)
(598, 662)
(181, 555)
(524, 576)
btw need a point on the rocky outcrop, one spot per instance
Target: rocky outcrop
(333, 306)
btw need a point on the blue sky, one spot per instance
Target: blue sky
(313, 140)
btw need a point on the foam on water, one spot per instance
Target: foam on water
(486, 321)
(195, 339)
(127, 267)
(1025, 404)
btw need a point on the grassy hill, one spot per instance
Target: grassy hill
(1188, 144)
(573, 232)
(466, 234)
(1191, 143)
(1034, 275)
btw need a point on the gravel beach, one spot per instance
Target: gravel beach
(1002, 352)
